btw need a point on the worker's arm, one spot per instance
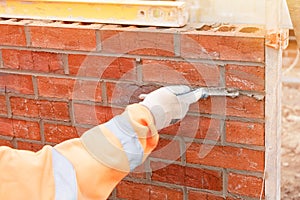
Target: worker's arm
(105, 154)
(90, 167)
(84, 168)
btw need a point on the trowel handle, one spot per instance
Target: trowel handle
(204, 92)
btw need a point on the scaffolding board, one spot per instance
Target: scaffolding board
(145, 13)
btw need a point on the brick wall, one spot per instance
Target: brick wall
(59, 79)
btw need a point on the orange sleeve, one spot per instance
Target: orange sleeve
(86, 168)
(100, 157)
(26, 174)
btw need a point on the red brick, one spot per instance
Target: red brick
(102, 67)
(16, 83)
(94, 115)
(167, 149)
(3, 107)
(246, 185)
(6, 143)
(81, 130)
(196, 127)
(245, 77)
(122, 93)
(40, 109)
(24, 107)
(234, 198)
(114, 91)
(12, 35)
(208, 128)
(195, 45)
(63, 38)
(245, 106)
(197, 195)
(175, 129)
(69, 88)
(26, 129)
(245, 133)
(33, 61)
(136, 191)
(87, 90)
(6, 127)
(210, 105)
(242, 106)
(139, 172)
(177, 72)
(29, 146)
(54, 110)
(56, 133)
(137, 42)
(55, 87)
(226, 157)
(187, 176)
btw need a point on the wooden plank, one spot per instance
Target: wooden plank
(148, 13)
(273, 82)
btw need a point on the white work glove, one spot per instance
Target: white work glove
(170, 104)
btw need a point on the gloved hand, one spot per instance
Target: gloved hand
(170, 104)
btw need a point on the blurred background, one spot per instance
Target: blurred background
(290, 137)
